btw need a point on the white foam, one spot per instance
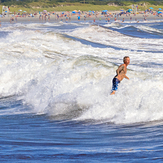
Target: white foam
(136, 101)
(149, 29)
(65, 78)
(113, 38)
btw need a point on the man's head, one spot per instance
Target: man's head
(126, 60)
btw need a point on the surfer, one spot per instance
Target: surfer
(121, 73)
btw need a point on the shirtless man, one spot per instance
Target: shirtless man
(121, 73)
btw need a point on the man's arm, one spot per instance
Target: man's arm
(126, 77)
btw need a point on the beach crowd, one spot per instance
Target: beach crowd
(82, 15)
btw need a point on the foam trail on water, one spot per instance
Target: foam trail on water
(114, 38)
(149, 29)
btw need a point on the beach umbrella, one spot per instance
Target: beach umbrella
(74, 11)
(160, 9)
(129, 10)
(104, 10)
(20, 10)
(151, 8)
(24, 11)
(90, 11)
(44, 11)
(159, 12)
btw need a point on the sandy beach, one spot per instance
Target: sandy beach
(112, 16)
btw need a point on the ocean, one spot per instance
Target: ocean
(55, 85)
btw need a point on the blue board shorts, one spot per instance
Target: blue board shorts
(115, 84)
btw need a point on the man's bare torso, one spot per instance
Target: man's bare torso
(121, 72)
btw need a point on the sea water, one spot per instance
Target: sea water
(55, 85)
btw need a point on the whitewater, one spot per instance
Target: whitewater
(55, 85)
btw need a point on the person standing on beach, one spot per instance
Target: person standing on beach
(12, 20)
(66, 19)
(84, 17)
(121, 74)
(16, 19)
(45, 16)
(49, 17)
